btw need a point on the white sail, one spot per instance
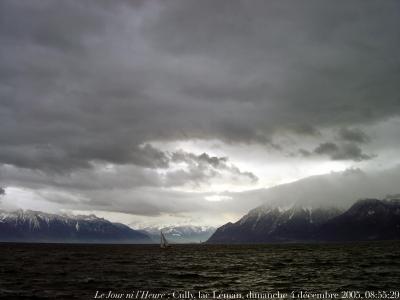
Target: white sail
(163, 242)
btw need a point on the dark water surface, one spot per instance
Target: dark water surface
(65, 271)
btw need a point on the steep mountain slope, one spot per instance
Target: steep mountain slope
(34, 226)
(269, 224)
(368, 219)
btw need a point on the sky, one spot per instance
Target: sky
(193, 112)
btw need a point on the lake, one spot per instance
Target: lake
(83, 271)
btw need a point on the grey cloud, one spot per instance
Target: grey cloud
(347, 151)
(327, 148)
(337, 189)
(304, 152)
(94, 81)
(123, 153)
(298, 58)
(2, 191)
(213, 160)
(87, 84)
(101, 177)
(216, 162)
(353, 135)
(41, 23)
(203, 168)
(66, 159)
(305, 129)
(350, 152)
(143, 201)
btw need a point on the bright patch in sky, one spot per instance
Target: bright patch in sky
(217, 198)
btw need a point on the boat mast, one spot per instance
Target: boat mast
(163, 240)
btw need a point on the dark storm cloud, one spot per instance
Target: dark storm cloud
(327, 148)
(353, 135)
(304, 153)
(203, 168)
(64, 159)
(308, 62)
(197, 170)
(181, 156)
(89, 81)
(347, 151)
(2, 191)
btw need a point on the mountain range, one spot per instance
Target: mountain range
(35, 226)
(368, 219)
(180, 234)
(365, 220)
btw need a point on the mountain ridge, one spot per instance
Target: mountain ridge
(368, 219)
(37, 226)
(269, 224)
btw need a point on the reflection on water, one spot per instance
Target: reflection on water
(45, 271)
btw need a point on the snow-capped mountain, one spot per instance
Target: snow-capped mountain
(274, 224)
(369, 219)
(181, 234)
(35, 226)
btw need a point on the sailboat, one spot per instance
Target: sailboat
(164, 242)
